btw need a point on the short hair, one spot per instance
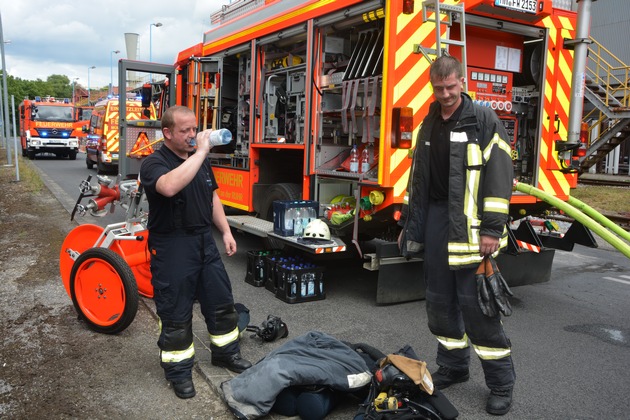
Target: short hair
(168, 118)
(445, 66)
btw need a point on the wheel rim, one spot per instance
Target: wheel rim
(80, 239)
(99, 292)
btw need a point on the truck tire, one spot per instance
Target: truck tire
(104, 291)
(284, 191)
(72, 155)
(31, 154)
(100, 168)
(89, 163)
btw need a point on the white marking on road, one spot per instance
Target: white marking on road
(617, 280)
(625, 277)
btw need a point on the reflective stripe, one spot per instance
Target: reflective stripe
(225, 339)
(496, 204)
(406, 198)
(491, 353)
(455, 260)
(176, 356)
(453, 343)
(501, 144)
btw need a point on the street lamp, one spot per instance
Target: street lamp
(89, 97)
(157, 25)
(111, 71)
(74, 82)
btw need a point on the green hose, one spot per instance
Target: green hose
(577, 215)
(600, 218)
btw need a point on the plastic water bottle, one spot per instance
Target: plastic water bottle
(354, 159)
(365, 160)
(289, 219)
(298, 224)
(220, 137)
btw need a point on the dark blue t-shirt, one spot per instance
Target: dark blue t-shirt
(190, 209)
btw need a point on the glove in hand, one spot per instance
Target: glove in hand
(498, 287)
(486, 303)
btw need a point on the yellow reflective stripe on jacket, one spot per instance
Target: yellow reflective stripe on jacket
(502, 145)
(453, 343)
(496, 204)
(176, 356)
(491, 353)
(406, 198)
(224, 339)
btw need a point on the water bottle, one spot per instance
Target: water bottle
(365, 160)
(354, 159)
(289, 219)
(220, 137)
(298, 226)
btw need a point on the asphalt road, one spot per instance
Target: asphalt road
(570, 336)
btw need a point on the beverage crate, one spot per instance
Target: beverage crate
(301, 283)
(256, 266)
(272, 263)
(282, 223)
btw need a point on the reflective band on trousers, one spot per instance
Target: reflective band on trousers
(453, 343)
(491, 353)
(176, 356)
(225, 339)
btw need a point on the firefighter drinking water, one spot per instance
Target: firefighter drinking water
(185, 260)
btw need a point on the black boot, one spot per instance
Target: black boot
(445, 377)
(184, 388)
(499, 401)
(233, 362)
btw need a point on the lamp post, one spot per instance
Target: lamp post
(74, 83)
(89, 97)
(157, 25)
(111, 71)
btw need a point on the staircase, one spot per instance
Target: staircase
(607, 88)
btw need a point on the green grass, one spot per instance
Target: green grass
(603, 198)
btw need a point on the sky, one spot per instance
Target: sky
(68, 37)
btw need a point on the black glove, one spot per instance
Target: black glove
(498, 286)
(487, 305)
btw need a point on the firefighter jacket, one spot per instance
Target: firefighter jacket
(480, 184)
(314, 358)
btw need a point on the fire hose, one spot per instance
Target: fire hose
(593, 220)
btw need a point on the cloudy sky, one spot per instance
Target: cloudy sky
(69, 36)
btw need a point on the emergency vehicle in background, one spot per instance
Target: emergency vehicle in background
(47, 125)
(82, 117)
(102, 144)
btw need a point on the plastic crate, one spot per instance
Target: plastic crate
(272, 263)
(256, 266)
(281, 224)
(300, 284)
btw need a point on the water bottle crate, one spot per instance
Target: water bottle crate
(273, 262)
(283, 223)
(257, 266)
(296, 285)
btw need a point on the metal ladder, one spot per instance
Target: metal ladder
(452, 13)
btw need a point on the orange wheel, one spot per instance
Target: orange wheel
(104, 291)
(79, 239)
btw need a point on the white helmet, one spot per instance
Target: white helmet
(317, 229)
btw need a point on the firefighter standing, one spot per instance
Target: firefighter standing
(458, 200)
(185, 261)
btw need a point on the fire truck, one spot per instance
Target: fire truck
(48, 125)
(300, 83)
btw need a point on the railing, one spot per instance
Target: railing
(609, 72)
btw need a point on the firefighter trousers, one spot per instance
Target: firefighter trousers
(185, 267)
(453, 311)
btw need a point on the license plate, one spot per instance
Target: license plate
(114, 155)
(528, 6)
